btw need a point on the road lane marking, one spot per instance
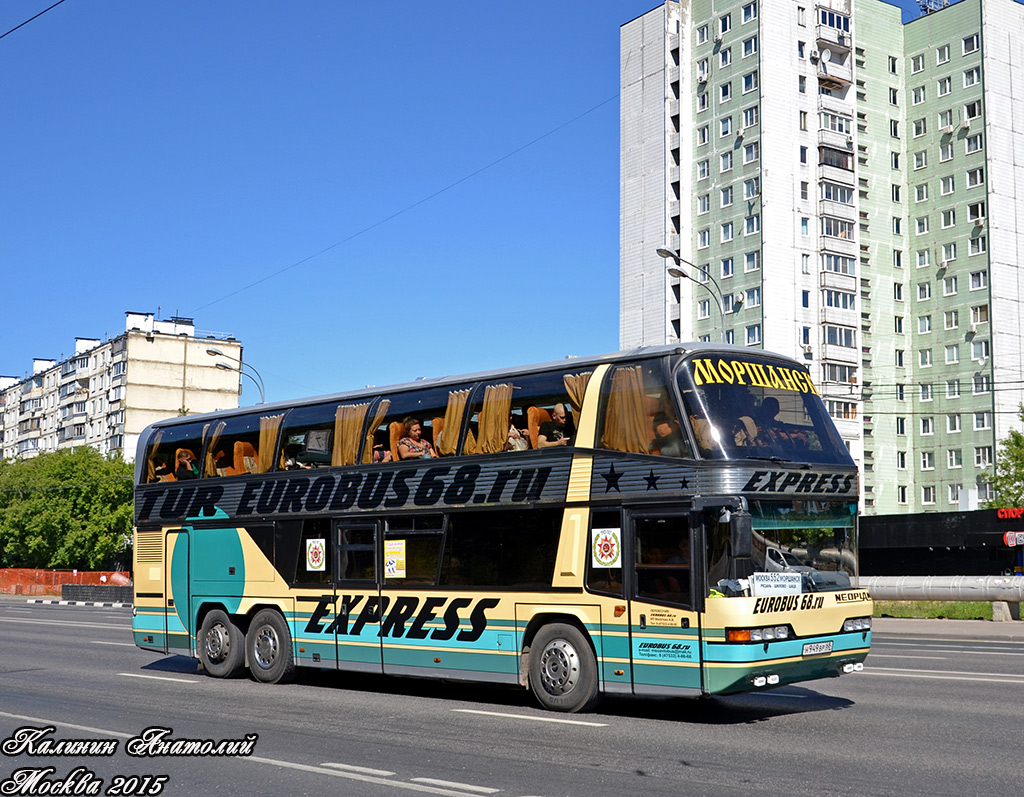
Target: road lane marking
(995, 678)
(397, 784)
(122, 644)
(122, 627)
(383, 773)
(906, 656)
(86, 728)
(158, 677)
(531, 719)
(451, 784)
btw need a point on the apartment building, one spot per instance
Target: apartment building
(842, 188)
(108, 391)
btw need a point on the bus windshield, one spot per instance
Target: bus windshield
(749, 407)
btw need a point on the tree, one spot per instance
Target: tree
(66, 509)
(1008, 481)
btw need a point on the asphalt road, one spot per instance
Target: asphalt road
(928, 715)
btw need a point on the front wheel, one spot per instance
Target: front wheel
(268, 646)
(221, 644)
(563, 669)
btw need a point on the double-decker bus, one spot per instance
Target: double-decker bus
(675, 521)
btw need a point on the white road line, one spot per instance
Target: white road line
(963, 652)
(531, 719)
(905, 656)
(1007, 679)
(74, 623)
(952, 672)
(122, 644)
(382, 773)
(451, 784)
(398, 784)
(158, 677)
(86, 728)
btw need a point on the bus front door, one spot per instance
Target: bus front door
(664, 628)
(358, 600)
(178, 630)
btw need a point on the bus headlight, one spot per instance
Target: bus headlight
(857, 624)
(766, 634)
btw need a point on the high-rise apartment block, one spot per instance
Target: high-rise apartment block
(107, 392)
(846, 189)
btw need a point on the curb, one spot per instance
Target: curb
(81, 603)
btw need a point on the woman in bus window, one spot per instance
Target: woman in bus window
(413, 446)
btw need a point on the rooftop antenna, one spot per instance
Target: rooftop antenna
(929, 6)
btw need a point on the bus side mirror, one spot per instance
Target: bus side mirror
(741, 534)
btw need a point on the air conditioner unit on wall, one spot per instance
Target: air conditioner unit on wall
(718, 38)
(979, 222)
(946, 130)
(815, 55)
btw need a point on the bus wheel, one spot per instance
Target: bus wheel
(220, 645)
(563, 670)
(269, 648)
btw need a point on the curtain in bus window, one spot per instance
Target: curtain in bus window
(453, 423)
(151, 459)
(576, 387)
(624, 427)
(211, 450)
(269, 424)
(492, 434)
(348, 423)
(378, 417)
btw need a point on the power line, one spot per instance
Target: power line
(23, 24)
(408, 208)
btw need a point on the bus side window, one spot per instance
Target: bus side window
(604, 562)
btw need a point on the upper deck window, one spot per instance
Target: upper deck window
(638, 415)
(752, 407)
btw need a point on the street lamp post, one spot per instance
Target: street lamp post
(677, 271)
(254, 376)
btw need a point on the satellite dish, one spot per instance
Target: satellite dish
(826, 55)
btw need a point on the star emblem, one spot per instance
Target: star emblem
(652, 480)
(684, 482)
(611, 479)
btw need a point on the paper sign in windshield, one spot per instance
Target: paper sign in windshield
(775, 584)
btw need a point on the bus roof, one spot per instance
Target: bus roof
(571, 362)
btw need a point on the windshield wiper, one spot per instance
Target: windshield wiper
(781, 461)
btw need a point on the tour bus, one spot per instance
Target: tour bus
(623, 524)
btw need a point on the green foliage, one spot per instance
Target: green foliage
(948, 610)
(66, 509)
(1009, 477)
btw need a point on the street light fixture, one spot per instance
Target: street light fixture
(678, 272)
(254, 376)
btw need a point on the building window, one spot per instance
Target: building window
(916, 64)
(702, 34)
(952, 388)
(703, 203)
(924, 358)
(894, 128)
(921, 192)
(751, 152)
(749, 82)
(704, 239)
(970, 43)
(951, 319)
(750, 116)
(921, 225)
(752, 261)
(979, 280)
(924, 324)
(749, 46)
(703, 170)
(751, 187)
(972, 110)
(946, 152)
(982, 384)
(979, 314)
(702, 135)
(975, 177)
(941, 54)
(702, 101)
(750, 11)
(920, 159)
(975, 211)
(979, 350)
(972, 76)
(944, 86)
(725, 23)
(894, 96)
(901, 493)
(892, 65)
(899, 358)
(925, 391)
(753, 297)
(947, 185)
(982, 456)
(725, 126)
(801, 84)
(976, 245)
(917, 95)
(754, 335)
(920, 128)
(928, 494)
(927, 426)
(952, 354)
(726, 159)
(973, 143)
(927, 460)
(725, 92)
(954, 493)
(727, 231)
(982, 420)
(704, 309)
(948, 218)
(752, 224)
(897, 291)
(727, 267)
(725, 56)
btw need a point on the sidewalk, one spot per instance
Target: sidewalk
(890, 628)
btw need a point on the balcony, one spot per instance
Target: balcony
(839, 282)
(834, 104)
(841, 354)
(838, 210)
(834, 75)
(835, 174)
(832, 39)
(830, 138)
(840, 246)
(836, 315)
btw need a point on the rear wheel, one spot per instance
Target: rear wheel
(563, 669)
(221, 644)
(269, 648)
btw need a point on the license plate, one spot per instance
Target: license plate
(817, 648)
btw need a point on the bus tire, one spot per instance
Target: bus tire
(221, 644)
(268, 647)
(563, 669)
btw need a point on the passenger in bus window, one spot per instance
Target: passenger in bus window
(186, 468)
(518, 439)
(162, 469)
(555, 432)
(667, 441)
(381, 454)
(413, 446)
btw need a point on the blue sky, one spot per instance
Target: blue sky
(416, 189)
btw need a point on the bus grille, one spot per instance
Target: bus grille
(149, 546)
